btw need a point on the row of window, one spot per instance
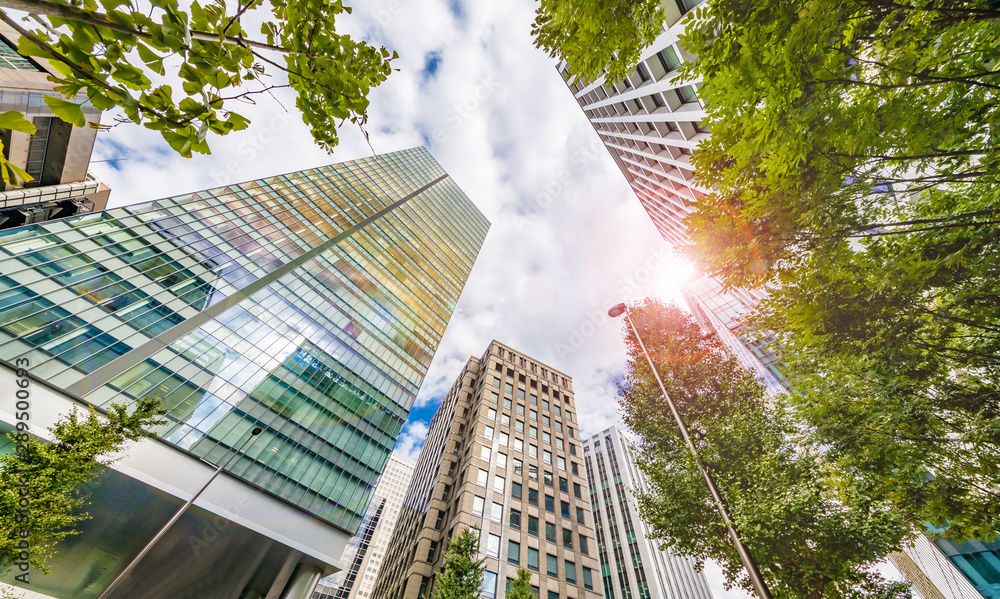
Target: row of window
(489, 590)
(532, 399)
(515, 520)
(518, 468)
(560, 462)
(532, 414)
(527, 363)
(496, 514)
(551, 564)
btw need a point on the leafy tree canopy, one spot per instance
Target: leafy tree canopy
(820, 110)
(596, 37)
(854, 158)
(57, 472)
(813, 535)
(461, 576)
(115, 53)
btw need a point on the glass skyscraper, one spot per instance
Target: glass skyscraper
(255, 305)
(727, 312)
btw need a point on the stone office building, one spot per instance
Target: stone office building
(502, 455)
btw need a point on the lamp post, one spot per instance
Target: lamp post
(107, 592)
(748, 562)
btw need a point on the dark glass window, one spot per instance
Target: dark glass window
(567, 538)
(532, 525)
(88, 348)
(515, 519)
(668, 58)
(532, 497)
(686, 94)
(532, 559)
(551, 565)
(513, 552)
(550, 504)
(515, 490)
(550, 532)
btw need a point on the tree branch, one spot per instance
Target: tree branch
(885, 157)
(237, 16)
(80, 72)
(72, 13)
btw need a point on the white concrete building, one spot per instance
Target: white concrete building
(632, 564)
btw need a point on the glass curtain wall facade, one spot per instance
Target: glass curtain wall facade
(726, 313)
(632, 564)
(357, 550)
(365, 551)
(254, 305)
(978, 560)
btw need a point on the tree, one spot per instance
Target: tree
(819, 113)
(116, 54)
(461, 576)
(813, 535)
(520, 587)
(597, 37)
(54, 474)
(876, 230)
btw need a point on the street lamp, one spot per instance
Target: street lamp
(107, 592)
(748, 562)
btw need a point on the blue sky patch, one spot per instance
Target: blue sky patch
(432, 60)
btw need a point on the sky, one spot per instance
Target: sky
(568, 237)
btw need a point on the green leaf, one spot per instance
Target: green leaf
(180, 143)
(15, 120)
(190, 106)
(71, 112)
(13, 174)
(238, 121)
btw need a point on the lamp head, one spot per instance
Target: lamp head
(617, 311)
(256, 431)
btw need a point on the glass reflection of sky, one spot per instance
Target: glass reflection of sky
(327, 358)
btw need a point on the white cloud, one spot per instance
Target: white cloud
(411, 440)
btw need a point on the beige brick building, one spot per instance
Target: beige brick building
(503, 455)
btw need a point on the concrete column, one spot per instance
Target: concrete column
(302, 582)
